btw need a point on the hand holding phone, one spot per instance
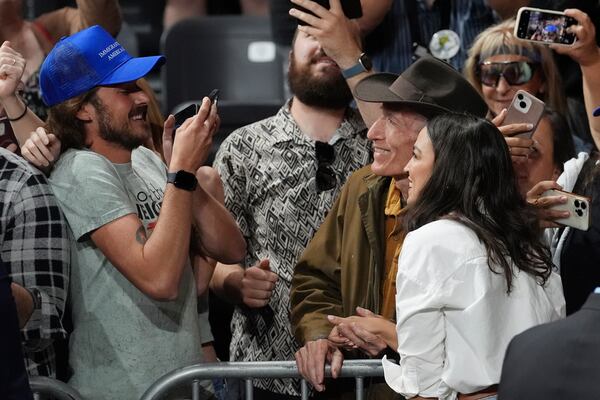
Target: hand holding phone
(192, 109)
(578, 207)
(545, 26)
(524, 108)
(352, 8)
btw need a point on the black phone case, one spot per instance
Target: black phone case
(352, 8)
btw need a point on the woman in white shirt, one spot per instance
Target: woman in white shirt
(473, 271)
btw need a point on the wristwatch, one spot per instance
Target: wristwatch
(363, 64)
(183, 180)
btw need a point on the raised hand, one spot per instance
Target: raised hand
(42, 149)
(584, 51)
(258, 284)
(543, 205)
(520, 148)
(193, 139)
(339, 37)
(12, 65)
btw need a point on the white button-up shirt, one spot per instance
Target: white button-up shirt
(454, 315)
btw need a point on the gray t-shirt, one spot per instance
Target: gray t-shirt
(122, 340)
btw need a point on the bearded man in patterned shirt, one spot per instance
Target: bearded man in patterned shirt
(281, 176)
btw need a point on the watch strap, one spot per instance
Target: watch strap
(357, 68)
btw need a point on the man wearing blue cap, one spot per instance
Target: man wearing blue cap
(132, 290)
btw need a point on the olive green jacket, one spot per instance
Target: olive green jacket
(343, 265)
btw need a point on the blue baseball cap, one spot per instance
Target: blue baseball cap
(596, 112)
(86, 59)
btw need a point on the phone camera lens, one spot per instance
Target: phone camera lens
(520, 96)
(522, 104)
(577, 204)
(579, 212)
(583, 205)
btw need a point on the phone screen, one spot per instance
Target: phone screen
(352, 8)
(546, 27)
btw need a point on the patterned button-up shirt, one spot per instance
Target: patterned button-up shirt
(35, 249)
(268, 171)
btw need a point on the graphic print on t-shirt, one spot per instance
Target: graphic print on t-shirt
(148, 202)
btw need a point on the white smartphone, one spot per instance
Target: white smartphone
(544, 26)
(524, 108)
(578, 207)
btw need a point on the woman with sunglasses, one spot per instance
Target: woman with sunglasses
(499, 64)
(473, 271)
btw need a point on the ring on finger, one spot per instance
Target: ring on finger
(14, 61)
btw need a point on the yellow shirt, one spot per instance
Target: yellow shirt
(394, 237)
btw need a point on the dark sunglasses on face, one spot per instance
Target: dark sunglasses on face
(515, 72)
(325, 178)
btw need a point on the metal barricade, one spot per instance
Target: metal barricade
(357, 369)
(43, 386)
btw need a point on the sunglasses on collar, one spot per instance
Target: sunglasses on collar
(514, 72)
(325, 177)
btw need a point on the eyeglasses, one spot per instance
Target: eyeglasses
(515, 72)
(325, 177)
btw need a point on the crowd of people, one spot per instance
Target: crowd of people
(386, 211)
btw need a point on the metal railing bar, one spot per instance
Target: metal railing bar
(304, 389)
(196, 389)
(249, 390)
(41, 385)
(254, 370)
(360, 388)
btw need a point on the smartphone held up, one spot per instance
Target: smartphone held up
(525, 108)
(578, 207)
(545, 26)
(192, 109)
(352, 8)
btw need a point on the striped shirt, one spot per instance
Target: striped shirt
(391, 46)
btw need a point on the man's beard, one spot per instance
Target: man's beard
(121, 136)
(327, 92)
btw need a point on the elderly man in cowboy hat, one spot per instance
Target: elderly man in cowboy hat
(350, 265)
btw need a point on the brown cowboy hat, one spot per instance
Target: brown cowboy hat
(429, 86)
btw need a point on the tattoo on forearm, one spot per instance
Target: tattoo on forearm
(140, 235)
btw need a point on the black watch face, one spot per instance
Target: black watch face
(366, 62)
(185, 180)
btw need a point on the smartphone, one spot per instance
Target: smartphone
(524, 108)
(213, 96)
(578, 207)
(186, 113)
(545, 26)
(352, 8)
(7, 135)
(192, 109)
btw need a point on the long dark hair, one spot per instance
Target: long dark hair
(473, 182)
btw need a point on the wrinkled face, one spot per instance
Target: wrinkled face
(420, 166)
(499, 96)
(393, 136)
(539, 166)
(120, 112)
(314, 77)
